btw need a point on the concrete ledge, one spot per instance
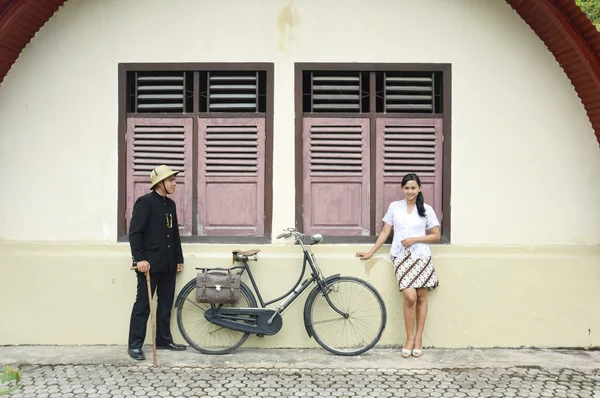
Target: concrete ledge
(583, 360)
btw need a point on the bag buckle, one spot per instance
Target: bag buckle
(218, 287)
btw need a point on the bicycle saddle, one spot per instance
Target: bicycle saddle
(247, 253)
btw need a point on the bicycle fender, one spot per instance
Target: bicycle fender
(312, 293)
(183, 290)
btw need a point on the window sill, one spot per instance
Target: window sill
(265, 240)
(242, 240)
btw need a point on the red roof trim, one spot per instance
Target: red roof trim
(560, 24)
(20, 20)
(575, 43)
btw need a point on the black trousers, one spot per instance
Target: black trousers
(164, 285)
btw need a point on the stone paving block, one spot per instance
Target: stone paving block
(96, 381)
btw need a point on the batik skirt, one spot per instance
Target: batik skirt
(414, 272)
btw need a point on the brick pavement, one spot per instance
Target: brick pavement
(120, 381)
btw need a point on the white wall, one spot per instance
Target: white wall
(526, 164)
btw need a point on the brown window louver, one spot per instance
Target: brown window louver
(336, 149)
(233, 92)
(160, 92)
(345, 92)
(231, 148)
(408, 148)
(409, 92)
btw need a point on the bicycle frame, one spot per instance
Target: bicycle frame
(299, 287)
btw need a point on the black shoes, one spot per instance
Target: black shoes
(172, 347)
(136, 353)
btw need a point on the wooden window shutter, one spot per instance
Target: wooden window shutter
(231, 176)
(336, 176)
(155, 141)
(408, 146)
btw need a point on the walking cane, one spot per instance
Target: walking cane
(151, 315)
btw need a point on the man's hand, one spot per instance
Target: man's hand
(179, 267)
(143, 266)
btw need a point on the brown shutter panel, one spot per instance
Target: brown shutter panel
(152, 142)
(231, 177)
(408, 146)
(336, 176)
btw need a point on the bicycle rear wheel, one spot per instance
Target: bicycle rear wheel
(363, 324)
(203, 335)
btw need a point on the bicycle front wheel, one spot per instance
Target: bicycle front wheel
(361, 322)
(203, 335)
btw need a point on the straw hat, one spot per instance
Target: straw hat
(160, 173)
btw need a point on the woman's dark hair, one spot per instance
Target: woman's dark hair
(420, 198)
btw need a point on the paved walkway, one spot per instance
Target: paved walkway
(98, 372)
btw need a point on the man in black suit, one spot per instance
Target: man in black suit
(155, 246)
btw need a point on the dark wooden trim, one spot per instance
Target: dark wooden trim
(195, 66)
(371, 67)
(335, 114)
(269, 151)
(350, 239)
(201, 115)
(222, 115)
(372, 154)
(446, 116)
(195, 115)
(195, 176)
(196, 91)
(159, 115)
(241, 240)
(409, 115)
(447, 162)
(195, 110)
(121, 152)
(379, 114)
(298, 161)
(237, 240)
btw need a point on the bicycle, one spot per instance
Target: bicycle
(227, 327)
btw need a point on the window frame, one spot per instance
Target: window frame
(124, 69)
(446, 115)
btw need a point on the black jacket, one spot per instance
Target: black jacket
(154, 233)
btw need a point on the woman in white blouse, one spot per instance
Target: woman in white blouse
(411, 218)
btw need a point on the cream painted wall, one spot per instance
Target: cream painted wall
(70, 294)
(526, 165)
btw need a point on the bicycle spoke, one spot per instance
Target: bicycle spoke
(204, 335)
(364, 324)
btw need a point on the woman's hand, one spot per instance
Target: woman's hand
(409, 241)
(364, 256)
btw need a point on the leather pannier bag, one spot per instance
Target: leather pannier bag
(217, 287)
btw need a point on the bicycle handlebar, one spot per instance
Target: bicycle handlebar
(289, 232)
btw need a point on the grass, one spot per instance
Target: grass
(10, 380)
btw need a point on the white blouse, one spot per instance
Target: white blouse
(409, 226)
